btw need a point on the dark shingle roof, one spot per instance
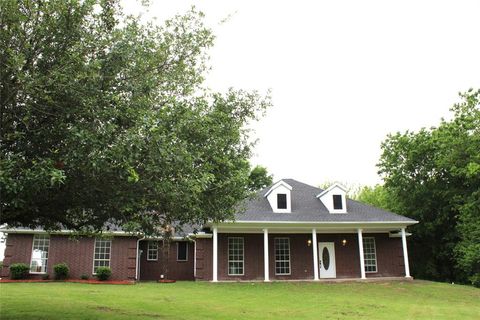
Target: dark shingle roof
(307, 208)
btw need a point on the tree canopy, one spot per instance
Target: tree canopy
(259, 178)
(433, 176)
(105, 118)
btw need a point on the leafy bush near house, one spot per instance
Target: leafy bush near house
(475, 280)
(84, 276)
(45, 277)
(61, 271)
(104, 273)
(19, 271)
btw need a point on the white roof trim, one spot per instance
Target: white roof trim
(114, 233)
(276, 185)
(200, 235)
(32, 231)
(336, 184)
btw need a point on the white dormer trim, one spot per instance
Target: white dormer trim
(326, 196)
(276, 185)
(281, 187)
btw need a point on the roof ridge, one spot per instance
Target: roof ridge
(305, 184)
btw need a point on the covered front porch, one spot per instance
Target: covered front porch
(270, 252)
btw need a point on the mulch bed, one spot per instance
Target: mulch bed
(71, 280)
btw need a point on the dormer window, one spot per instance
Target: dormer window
(281, 201)
(334, 198)
(337, 202)
(279, 197)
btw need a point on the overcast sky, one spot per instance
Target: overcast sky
(343, 74)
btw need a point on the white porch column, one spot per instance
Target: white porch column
(315, 254)
(405, 254)
(360, 251)
(215, 254)
(265, 255)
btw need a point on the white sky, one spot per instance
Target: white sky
(343, 74)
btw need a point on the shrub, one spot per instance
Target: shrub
(103, 273)
(475, 280)
(61, 271)
(45, 277)
(84, 276)
(19, 271)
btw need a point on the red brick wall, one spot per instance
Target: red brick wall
(253, 257)
(18, 249)
(347, 261)
(204, 259)
(301, 257)
(177, 270)
(389, 256)
(77, 253)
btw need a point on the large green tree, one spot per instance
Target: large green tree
(434, 177)
(259, 178)
(105, 118)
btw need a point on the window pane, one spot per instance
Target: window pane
(182, 251)
(337, 202)
(152, 250)
(369, 254)
(41, 243)
(281, 201)
(102, 254)
(235, 256)
(282, 255)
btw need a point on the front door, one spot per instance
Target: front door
(326, 257)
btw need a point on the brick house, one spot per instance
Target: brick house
(289, 231)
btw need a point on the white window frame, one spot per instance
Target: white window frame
(237, 260)
(43, 238)
(282, 260)
(186, 251)
(150, 249)
(109, 254)
(369, 264)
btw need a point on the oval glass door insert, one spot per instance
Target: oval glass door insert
(326, 258)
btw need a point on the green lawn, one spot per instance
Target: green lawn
(190, 300)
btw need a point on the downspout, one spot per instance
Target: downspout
(194, 259)
(137, 260)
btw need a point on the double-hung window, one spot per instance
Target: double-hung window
(282, 256)
(38, 263)
(369, 254)
(152, 251)
(182, 251)
(235, 256)
(102, 254)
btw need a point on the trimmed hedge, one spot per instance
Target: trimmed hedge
(61, 271)
(103, 273)
(19, 271)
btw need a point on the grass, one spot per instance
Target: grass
(197, 300)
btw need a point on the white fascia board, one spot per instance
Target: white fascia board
(32, 231)
(399, 235)
(316, 224)
(200, 235)
(276, 185)
(336, 184)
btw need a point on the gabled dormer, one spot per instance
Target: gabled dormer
(280, 197)
(334, 198)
